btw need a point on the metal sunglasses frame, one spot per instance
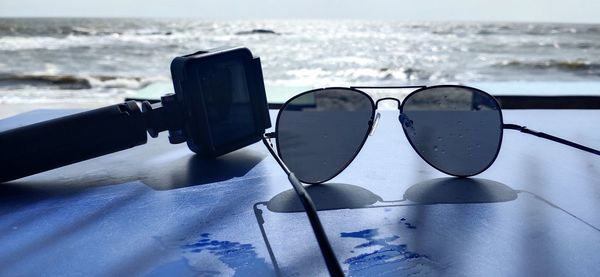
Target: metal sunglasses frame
(406, 122)
(331, 261)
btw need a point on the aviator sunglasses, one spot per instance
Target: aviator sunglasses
(455, 129)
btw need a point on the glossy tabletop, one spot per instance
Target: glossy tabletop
(159, 210)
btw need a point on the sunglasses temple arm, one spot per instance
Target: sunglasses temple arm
(331, 261)
(524, 129)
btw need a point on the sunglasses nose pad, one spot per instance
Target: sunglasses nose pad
(406, 122)
(375, 123)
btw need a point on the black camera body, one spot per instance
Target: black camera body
(223, 96)
(219, 106)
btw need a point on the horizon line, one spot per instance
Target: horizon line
(298, 19)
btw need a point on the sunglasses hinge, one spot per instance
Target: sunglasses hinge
(268, 137)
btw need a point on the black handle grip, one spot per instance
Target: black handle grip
(54, 143)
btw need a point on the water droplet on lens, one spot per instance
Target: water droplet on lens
(460, 135)
(478, 145)
(459, 122)
(439, 138)
(435, 148)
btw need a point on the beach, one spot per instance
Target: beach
(84, 63)
(54, 62)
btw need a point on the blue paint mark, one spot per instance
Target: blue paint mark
(410, 226)
(369, 233)
(389, 259)
(240, 257)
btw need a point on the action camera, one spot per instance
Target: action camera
(219, 106)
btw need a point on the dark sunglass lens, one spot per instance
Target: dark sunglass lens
(321, 131)
(456, 129)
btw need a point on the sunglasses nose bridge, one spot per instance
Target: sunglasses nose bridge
(376, 120)
(387, 99)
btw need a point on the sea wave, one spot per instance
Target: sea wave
(82, 31)
(555, 44)
(18, 43)
(61, 27)
(49, 43)
(74, 82)
(258, 31)
(575, 66)
(363, 75)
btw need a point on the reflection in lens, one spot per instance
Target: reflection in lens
(456, 129)
(321, 131)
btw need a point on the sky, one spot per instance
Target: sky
(578, 11)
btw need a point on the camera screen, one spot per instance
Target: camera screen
(227, 101)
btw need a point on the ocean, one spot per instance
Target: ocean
(71, 59)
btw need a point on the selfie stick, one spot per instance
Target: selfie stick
(54, 143)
